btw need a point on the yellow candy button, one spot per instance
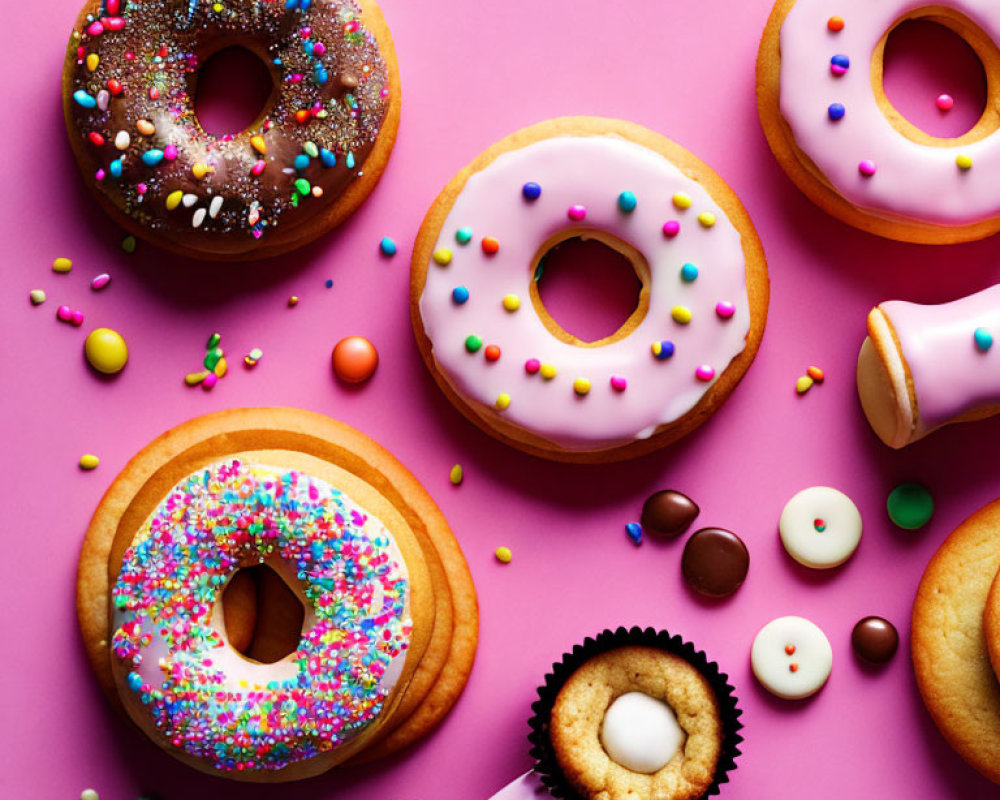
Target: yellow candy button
(106, 350)
(89, 461)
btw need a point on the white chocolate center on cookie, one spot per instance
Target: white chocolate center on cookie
(641, 733)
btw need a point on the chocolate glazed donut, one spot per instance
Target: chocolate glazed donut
(314, 153)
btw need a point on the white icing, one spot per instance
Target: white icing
(641, 732)
(839, 518)
(791, 657)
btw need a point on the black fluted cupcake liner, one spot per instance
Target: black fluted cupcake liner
(546, 764)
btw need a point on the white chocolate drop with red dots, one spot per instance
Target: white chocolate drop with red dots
(641, 732)
(820, 527)
(791, 657)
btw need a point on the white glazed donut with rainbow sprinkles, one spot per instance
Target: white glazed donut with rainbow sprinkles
(834, 131)
(504, 361)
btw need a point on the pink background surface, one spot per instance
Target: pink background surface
(471, 74)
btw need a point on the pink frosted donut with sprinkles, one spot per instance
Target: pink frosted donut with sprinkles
(832, 128)
(308, 160)
(504, 361)
(181, 678)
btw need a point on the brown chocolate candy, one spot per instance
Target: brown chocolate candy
(874, 640)
(715, 562)
(668, 513)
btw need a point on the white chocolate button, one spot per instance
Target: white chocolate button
(791, 657)
(820, 527)
(641, 733)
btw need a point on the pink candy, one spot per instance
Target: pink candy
(95, 28)
(170, 152)
(100, 282)
(532, 365)
(113, 7)
(577, 213)
(619, 384)
(209, 381)
(258, 167)
(945, 102)
(66, 314)
(867, 168)
(725, 309)
(671, 228)
(704, 373)
(319, 48)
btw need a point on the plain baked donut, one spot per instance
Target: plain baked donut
(510, 367)
(312, 156)
(389, 627)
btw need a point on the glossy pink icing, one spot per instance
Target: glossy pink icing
(591, 172)
(912, 181)
(950, 375)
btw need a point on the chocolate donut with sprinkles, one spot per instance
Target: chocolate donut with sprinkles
(275, 597)
(502, 359)
(312, 156)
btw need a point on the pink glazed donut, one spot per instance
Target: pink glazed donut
(833, 130)
(508, 365)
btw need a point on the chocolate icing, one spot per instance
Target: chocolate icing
(324, 66)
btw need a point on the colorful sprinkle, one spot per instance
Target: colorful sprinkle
(100, 281)
(681, 314)
(627, 202)
(492, 352)
(258, 144)
(682, 201)
(964, 162)
(463, 235)
(532, 365)
(387, 246)
(83, 99)
(511, 302)
(473, 343)
(707, 219)
(503, 555)
(88, 461)
(634, 532)
(442, 256)
(460, 294)
(983, 339)
(867, 168)
(671, 228)
(689, 273)
(577, 213)
(836, 111)
(62, 265)
(293, 301)
(618, 383)
(328, 283)
(662, 350)
(531, 191)
(835, 24)
(945, 102)
(251, 358)
(804, 384)
(839, 65)
(704, 373)
(581, 386)
(456, 475)
(724, 309)
(503, 401)
(152, 157)
(194, 378)
(490, 245)
(37, 296)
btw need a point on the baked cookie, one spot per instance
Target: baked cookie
(311, 157)
(637, 723)
(949, 646)
(226, 533)
(504, 361)
(831, 127)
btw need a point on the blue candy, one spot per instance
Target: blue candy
(531, 191)
(459, 294)
(84, 99)
(634, 532)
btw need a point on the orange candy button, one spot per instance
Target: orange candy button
(354, 359)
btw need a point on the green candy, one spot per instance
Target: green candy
(473, 343)
(910, 506)
(302, 186)
(212, 357)
(213, 340)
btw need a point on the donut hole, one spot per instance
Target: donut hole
(924, 59)
(232, 89)
(263, 617)
(587, 287)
